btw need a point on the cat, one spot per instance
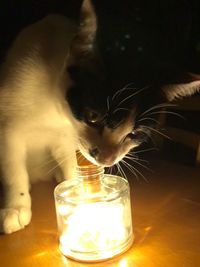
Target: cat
(57, 96)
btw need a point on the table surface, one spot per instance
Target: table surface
(166, 217)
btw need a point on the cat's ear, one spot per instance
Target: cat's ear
(83, 43)
(188, 87)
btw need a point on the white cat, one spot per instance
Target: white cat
(40, 128)
(35, 121)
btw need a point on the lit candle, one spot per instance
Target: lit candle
(94, 224)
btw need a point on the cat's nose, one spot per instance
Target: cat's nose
(94, 152)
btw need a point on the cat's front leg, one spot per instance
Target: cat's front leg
(64, 152)
(16, 212)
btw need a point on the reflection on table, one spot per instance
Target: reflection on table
(166, 218)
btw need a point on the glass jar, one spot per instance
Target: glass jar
(93, 215)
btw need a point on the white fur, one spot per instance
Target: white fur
(36, 126)
(39, 135)
(175, 91)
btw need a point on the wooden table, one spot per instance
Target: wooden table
(166, 215)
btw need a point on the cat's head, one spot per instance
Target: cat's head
(117, 90)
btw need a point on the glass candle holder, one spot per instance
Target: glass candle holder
(93, 215)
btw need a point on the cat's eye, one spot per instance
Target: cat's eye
(92, 116)
(132, 135)
(135, 135)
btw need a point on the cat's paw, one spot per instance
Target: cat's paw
(14, 219)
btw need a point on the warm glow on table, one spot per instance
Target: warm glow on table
(166, 214)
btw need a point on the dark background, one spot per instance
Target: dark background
(16, 14)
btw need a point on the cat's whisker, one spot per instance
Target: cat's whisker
(126, 87)
(56, 165)
(136, 170)
(117, 109)
(130, 96)
(123, 173)
(163, 105)
(114, 103)
(118, 170)
(140, 173)
(148, 118)
(131, 153)
(127, 156)
(167, 112)
(52, 160)
(108, 103)
(147, 168)
(143, 150)
(156, 131)
(144, 178)
(130, 168)
(47, 162)
(54, 168)
(111, 169)
(132, 158)
(81, 140)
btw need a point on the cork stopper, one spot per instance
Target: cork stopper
(90, 173)
(81, 160)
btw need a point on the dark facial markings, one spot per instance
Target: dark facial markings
(129, 44)
(137, 135)
(94, 152)
(92, 117)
